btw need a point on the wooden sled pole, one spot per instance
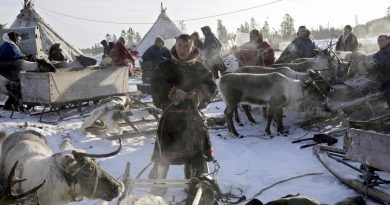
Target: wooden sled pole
(198, 196)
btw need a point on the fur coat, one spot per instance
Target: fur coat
(182, 133)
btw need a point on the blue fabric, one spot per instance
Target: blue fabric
(156, 55)
(10, 52)
(386, 86)
(382, 61)
(304, 47)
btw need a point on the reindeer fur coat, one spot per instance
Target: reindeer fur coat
(182, 133)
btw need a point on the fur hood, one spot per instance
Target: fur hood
(195, 53)
(7, 39)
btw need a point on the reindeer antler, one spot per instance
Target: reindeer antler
(6, 195)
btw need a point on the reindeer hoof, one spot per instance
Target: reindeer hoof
(268, 133)
(240, 124)
(236, 135)
(284, 132)
(223, 137)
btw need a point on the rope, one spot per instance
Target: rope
(96, 184)
(177, 21)
(282, 181)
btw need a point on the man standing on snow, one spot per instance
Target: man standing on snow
(156, 53)
(253, 48)
(181, 87)
(300, 47)
(121, 56)
(347, 41)
(381, 64)
(9, 50)
(212, 52)
(199, 45)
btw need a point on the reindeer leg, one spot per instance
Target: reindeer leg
(229, 122)
(237, 117)
(278, 116)
(264, 109)
(247, 111)
(270, 115)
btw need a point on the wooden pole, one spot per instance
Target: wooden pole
(125, 180)
(198, 196)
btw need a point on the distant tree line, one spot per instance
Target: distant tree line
(95, 50)
(374, 27)
(287, 29)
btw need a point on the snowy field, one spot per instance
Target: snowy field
(249, 164)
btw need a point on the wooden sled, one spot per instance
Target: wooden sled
(70, 89)
(130, 183)
(141, 119)
(379, 124)
(347, 171)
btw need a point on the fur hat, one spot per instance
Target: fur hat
(13, 36)
(206, 29)
(349, 27)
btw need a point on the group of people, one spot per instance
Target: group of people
(209, 51)
(304, 47)
(120, 55)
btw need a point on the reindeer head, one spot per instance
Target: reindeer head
(335, 68)
(317, 88)
(86, 178)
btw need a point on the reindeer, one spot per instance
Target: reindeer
(266, 70)
(326, 60)
(274, 90)
(359, 62)
(70, 175)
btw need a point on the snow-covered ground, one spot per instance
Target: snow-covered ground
(249, 164)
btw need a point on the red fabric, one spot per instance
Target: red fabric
(270, 59)
(120, 55)
(248, 52)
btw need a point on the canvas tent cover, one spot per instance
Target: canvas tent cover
(28, 17)
(163, 27)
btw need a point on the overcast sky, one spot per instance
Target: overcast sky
(82, 34)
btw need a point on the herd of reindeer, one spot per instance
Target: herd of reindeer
(311, 82)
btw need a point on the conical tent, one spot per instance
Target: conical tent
(163, 27)
(28, 17)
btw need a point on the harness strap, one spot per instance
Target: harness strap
(95, 187)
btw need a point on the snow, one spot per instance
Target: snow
(249, 164)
